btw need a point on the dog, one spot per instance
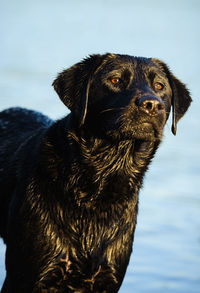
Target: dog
(69, 188)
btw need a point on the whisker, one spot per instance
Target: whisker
(120, 108)
(107, 110)
(112, 109)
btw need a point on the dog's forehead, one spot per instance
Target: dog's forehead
(130, 63)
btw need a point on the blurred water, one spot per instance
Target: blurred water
(40, 38)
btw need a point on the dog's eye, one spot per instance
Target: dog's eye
(158, 86)
(115, 80)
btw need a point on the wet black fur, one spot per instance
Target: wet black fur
(69, 189)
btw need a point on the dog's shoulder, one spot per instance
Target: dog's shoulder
(24, 118)
(21, 131)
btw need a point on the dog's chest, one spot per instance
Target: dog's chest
(66, 275)
(98, 240)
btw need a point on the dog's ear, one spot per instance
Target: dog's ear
(73, 85)
(180, 95)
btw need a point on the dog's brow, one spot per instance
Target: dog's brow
(121, 69)
(156, 74)
(116, 72)
(154, 71)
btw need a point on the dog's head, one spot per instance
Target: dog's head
(123, 96)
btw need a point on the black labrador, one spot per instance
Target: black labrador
(69, 189)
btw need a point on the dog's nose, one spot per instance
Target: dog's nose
(150, 104)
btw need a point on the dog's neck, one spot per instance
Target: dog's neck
(108, 156)
(104, 162)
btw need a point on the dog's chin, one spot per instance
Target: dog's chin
(145, 131)
(148, 131)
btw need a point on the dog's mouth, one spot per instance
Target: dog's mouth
(124, 123)
(136, 126)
